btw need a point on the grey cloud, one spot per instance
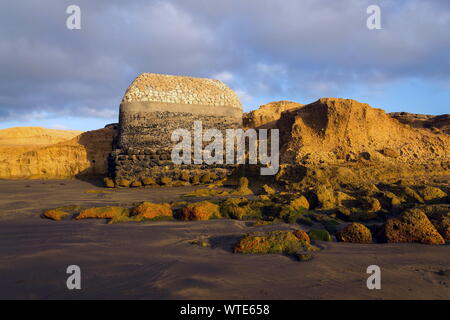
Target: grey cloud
(270, 48)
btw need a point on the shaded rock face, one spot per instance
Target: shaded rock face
(154, 106)
(437, 124)
(267, 115)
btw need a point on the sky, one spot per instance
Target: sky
(266, 50)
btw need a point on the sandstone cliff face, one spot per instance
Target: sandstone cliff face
(342, 130)
(33, 136)
(84, 155)
(267, 115)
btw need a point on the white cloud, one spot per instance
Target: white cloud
(244, 97)
(224, 76)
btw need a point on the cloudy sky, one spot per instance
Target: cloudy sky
(298, 50)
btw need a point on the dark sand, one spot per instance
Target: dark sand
(154, 260)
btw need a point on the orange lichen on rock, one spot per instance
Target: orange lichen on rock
(203, 210)
(268, 190)
(108, 212)
(55, 214)
(148, 181)
(302, 235)
(109, 183)
(355, 233)
(149, 210)
(300, 202)
(271, 242)
(124, 183)
(412, 226)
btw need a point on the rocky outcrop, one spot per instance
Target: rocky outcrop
(267, 115)
(412, 226)
(346, 140)
(203, 210)
(109, 212)
(85, 155)
(439, 123)
(55, 214)
(272, 242)
(335, 130)
(149, 210)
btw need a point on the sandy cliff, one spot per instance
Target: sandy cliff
(267, 115)
(84, 154)
(341, 137)
(33, 136)
(334, 130)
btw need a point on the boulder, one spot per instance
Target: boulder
(165, 180)
(195, 179)
(443, 226)
(148, 181)
(371, 204)
(355, 233)
(271, 242)
(124, 183)
(325, 197)
(300, 202)
(432, 194)
(184, 176)
(205, 178)
(109, 183)
(109, 212)
(413, 195)
(150, 210)
(302, 235)
(136, 184)
(322, 235)
(412, 226)
(203, 210)
(55, 214)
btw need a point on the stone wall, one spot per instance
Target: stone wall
(181, 90)
(153, 107)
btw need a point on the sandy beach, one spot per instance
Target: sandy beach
(155, 260)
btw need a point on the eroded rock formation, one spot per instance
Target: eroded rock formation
(342, 137)
(84, 155)
(266, 116)
(436, 124)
